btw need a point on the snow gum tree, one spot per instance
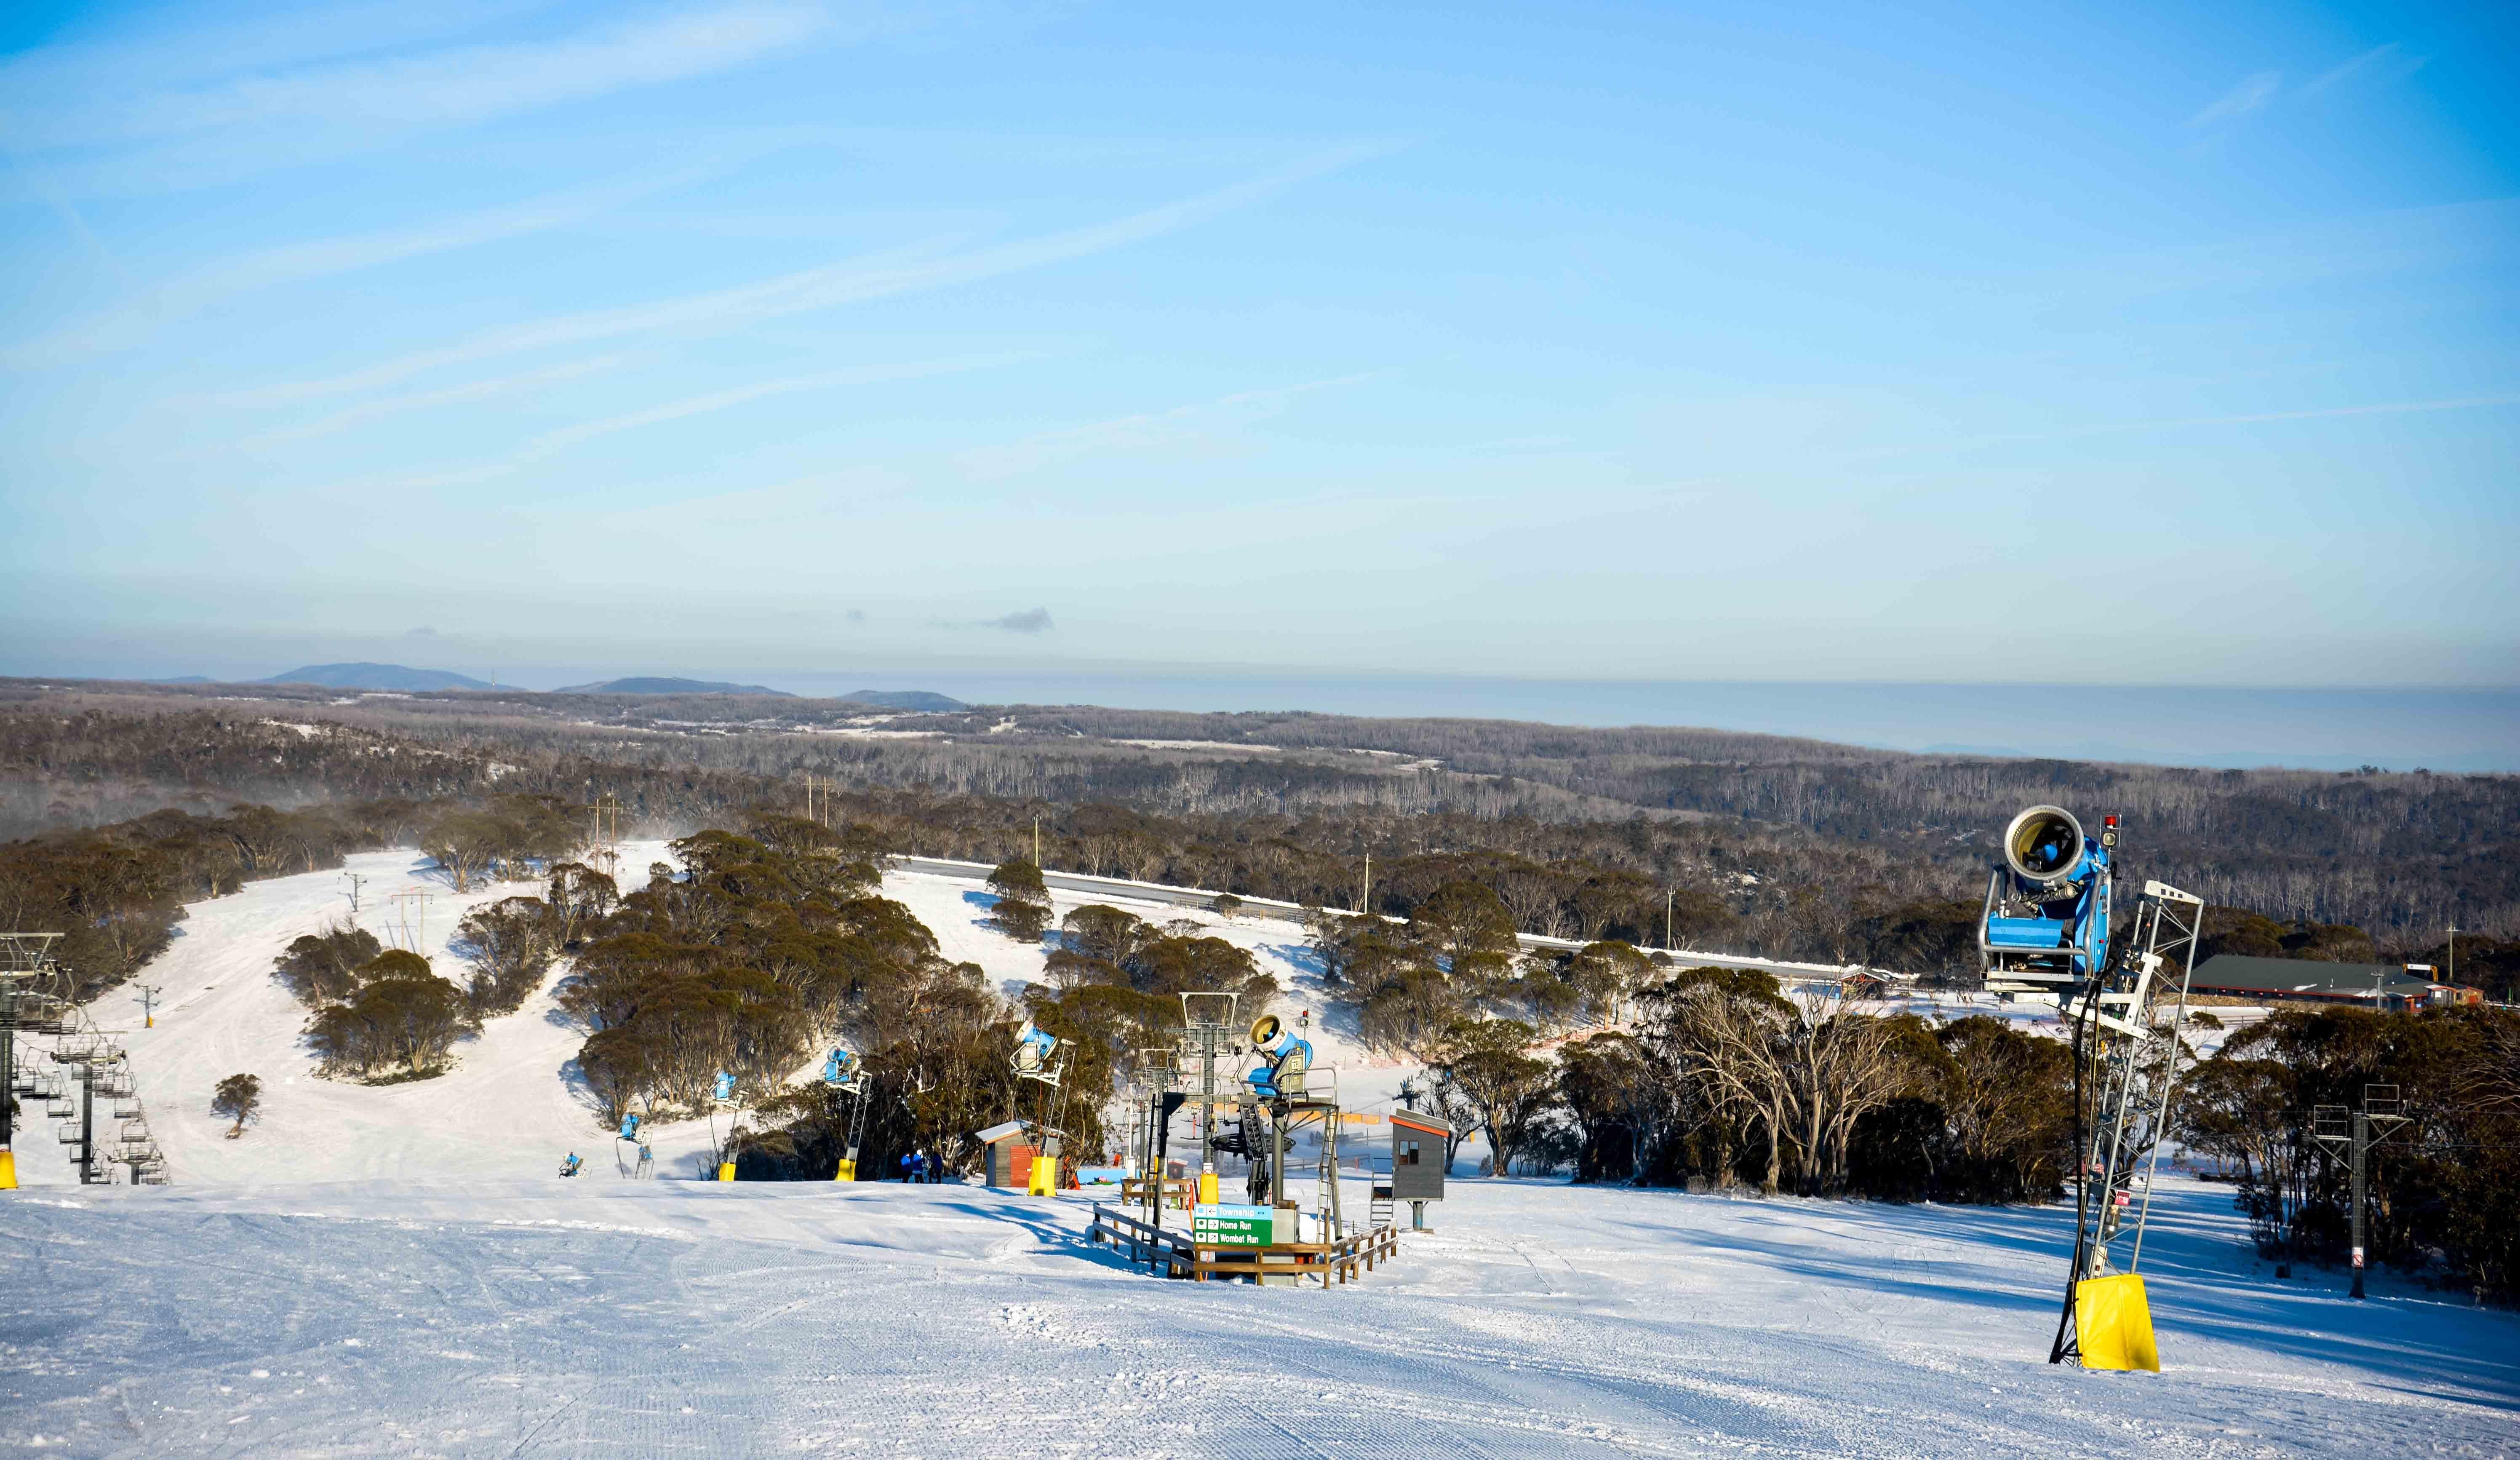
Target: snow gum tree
(511, 945)
(1023, 909)
(237, 1097)
(402, 1023)
(1490, 1065)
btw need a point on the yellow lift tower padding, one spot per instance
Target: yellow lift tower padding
(8, 1166)
(726, 1170)
(848, 1170)
(1207, 1188)
(2113, 1324)
(1045, 1177)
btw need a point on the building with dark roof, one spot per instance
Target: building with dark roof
(2381, 986)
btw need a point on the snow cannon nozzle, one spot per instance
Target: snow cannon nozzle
(2043, 844)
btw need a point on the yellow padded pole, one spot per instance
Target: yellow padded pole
(726, 1170)
(8, 1166)
(2113, 1324)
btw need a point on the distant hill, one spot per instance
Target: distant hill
(905, 700)
(648, 685)
(183, 679)
(375, 678)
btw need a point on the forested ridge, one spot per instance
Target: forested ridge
(1769, 846)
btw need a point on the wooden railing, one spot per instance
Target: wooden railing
(1172, 1250)
(1179, 1191)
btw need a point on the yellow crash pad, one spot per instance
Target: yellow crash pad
(2113, 1324)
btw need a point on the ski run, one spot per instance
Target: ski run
(398, 1271)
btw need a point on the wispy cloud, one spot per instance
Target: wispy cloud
(497, 387)
(1029, 621)
(2191, 422)
(445, 85)
(2386, 63)
(2249, 96)
(718, 400)
(1146, 432)
(850, 281)
(129, 322)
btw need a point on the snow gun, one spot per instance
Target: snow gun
(2047, 916)
(1286, 1057)
(1033, 1046)
(629, 1127)
(723, 1088)
(2045, 934)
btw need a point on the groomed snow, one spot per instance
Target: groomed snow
(398, 1271)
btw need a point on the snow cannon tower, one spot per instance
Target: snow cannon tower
(1282, 1094)
(2046, 933)
(845, 1074)
(1041, 1070)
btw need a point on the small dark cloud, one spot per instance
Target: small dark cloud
(1029, 621)
(422, 632)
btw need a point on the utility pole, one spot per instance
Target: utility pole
(2453, 976)
(1668, 893)
(1365, 899)
(356, 882)
(1036, 843)
(415, 924)
(148, 998)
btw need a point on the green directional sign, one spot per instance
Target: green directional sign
(1225, 1224)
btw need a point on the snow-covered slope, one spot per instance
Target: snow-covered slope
(535, 1317)
(398, 1271)
(511, 1108)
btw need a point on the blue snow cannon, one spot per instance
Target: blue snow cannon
(839, 1068)
(1033, 1046)
(724, 1088)
(2047, 915)
(629, 1127)
(1287, 1059)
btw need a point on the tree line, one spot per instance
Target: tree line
(2399, 855)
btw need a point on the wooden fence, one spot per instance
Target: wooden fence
(1172, 1252)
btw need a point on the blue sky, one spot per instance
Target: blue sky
(2112, 343)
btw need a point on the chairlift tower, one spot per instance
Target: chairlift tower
(2351, 1137)
(1211, 1021)
(28, 1007)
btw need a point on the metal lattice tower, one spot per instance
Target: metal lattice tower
(2126, 1081)
(1211, 1021)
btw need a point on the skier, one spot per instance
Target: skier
(908, 1171)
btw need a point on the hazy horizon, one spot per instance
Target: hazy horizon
(2464, 730)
